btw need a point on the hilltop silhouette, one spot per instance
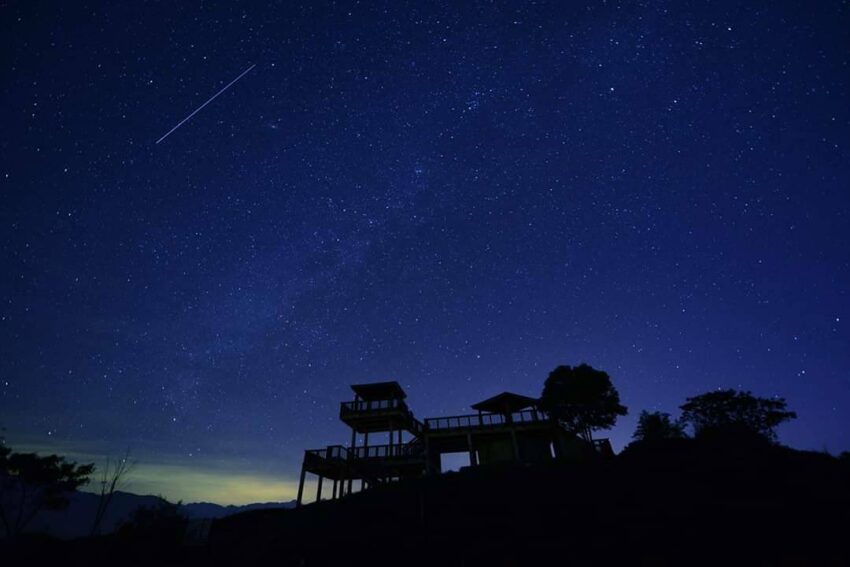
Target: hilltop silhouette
(670, 502)
(713, 486)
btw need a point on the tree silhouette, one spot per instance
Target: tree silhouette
(30, 483)
(112, 477)
(582, 399)
(654, 426)
(162, 524)
(733, 411)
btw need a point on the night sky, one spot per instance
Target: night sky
(457, 196)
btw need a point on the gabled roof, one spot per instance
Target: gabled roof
(379, 391)
(505, 403)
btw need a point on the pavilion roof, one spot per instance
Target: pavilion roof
(379, 391)
(505, 403)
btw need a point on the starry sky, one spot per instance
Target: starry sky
(456, 195)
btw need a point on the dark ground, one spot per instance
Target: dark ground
(679, 503)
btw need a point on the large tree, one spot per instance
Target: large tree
(657, 425)
(582, 399)
(30, 483)
(733, 411)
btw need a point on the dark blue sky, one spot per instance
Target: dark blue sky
(458, 196)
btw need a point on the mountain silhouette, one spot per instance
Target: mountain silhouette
(76, 520)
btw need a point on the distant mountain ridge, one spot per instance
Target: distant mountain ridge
(209, 510)
(76, 520)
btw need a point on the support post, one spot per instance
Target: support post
(473, 458)
(428, 468)
(333, 491)
(301, 487)
(319, 489)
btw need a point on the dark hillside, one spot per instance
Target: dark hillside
(676, 502)
(680, 502)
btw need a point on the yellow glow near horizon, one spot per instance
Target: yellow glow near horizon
(178, 482)
(218, 480)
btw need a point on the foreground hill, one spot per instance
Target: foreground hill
(681, 502)
(678, 503)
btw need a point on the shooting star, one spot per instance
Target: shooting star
(212, 98)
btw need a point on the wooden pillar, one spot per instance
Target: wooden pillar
(427, 454)
(432, 456)
(333, 491)
(350, 480)
(473, 458)
(301, 486)
(516, 445)
(319, 489)
(352, 455)
(354, 431)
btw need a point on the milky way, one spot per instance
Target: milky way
(458, 197)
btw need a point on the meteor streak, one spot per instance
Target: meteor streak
(212, 98)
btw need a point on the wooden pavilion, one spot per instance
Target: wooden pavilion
(507, 427)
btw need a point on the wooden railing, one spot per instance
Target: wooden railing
(363, 407)
(484, 420)
(373, 405)
(330, 453)
(342, 453)
(386, 451)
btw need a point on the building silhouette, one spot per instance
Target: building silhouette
(508, 427)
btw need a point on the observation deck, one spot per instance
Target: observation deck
(507, 427)
(379, 407)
